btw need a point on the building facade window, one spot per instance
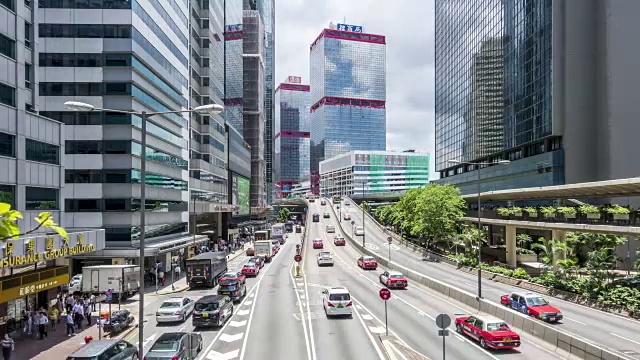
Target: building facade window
(38, 198)
(28, 76)
(7, 95)
(7, 46)
(123, 177)
(122, 147)
(85, 4)
(83, 205)
(7, 145)
(84, 89)
(106, 31)
(28, 34)
(9, 4)
(42, 152)
(6, 195)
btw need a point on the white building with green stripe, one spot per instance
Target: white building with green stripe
(358, 172)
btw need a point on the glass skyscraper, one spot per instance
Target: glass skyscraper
(292, 135)
(348, 93)
(233, 34)
(493, 90)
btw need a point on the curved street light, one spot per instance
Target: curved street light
(210, 109)
(499, 162)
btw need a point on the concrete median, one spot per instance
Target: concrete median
(545, 335)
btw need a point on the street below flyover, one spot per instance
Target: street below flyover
(597, 327)
(411, 312)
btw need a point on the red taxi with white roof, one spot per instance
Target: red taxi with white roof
(393, 279)
(489, 331)
(251, 252)
(339, 241)
(250, 269)
(532, 305)
(318, 244)
(233, 275)
(367, 262)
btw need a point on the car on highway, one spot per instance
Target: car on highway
(233, 288)
(336, 301)
(212, 310)
(346, 203)
(251, 252)
(359, 231)
(257, 260)
(233, 275)
(393, 279)
(175, 345)
(323, 202)
(316, 217)
(347, 216)
(326, 215)
(318, 244)
(330, 229)
(298, 229)
(489, 331)
(533, 305)
(111, 349)
(275, 246)
(324, 258)
(250, 269)
(339, 241)
(177, 308)
(312, 199)
(367, 262)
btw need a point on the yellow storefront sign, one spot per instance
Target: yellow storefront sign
(32, 288)
(11, 261)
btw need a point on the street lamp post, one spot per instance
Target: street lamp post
(478, 164)
(203, 109)
(362, 206)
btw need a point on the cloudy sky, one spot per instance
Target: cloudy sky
(409, 29)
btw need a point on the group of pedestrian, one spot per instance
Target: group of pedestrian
(36, 320)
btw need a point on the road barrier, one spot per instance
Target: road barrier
(563, 344)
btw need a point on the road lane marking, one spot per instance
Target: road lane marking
(300, 305)
(367, 317)
(231, 338)
(576, 321)
(392, 354)
(214, 355)
(622, 337)
(238, 323)
(373, 341)
(248, 302)
(306, 291)
(358, 307)
(243, 312)
(377, 329)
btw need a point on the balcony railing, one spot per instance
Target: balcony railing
(602, 218)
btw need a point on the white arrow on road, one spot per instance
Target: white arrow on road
(214, 355)
(247, 302)
(393, 246)
(231, 338)
(243, 312)
(377, 329)
(148, 340)
(238, 323)
(371, 246)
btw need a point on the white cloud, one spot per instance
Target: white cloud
(409, 29)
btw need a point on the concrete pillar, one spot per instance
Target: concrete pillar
(560, 236)
(218, 225)
(510, 235)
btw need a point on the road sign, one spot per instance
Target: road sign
(385, 294)
(109, 295)
(443, 332)
(297, 258)
(352, 222)
(443, 321)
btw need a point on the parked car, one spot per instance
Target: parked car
(111, 349)
(489, 331)
(533, 305)
(175, 345)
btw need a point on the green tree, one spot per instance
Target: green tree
(365, 206)
(523, 240)
(472, 237)
(9, 228)
(283, 215)
(434, 212)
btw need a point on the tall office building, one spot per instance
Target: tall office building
(128, 55)
(580, 131)
(292, 139)
(253, 106)
(233, 76)
(348, 94)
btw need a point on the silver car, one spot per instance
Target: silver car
(175, 309)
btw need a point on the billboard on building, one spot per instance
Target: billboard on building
(240, 194)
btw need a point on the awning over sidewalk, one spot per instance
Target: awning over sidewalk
(151, 248)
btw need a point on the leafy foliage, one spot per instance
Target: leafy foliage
(9, 228)
(617, 209)
(283, 215)
(589, 209)
(567, 210)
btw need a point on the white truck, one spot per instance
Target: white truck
(122, 280)
(264, 248)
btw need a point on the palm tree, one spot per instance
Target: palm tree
(548, 247)
(523, 240)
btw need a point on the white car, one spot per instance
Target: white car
(324, 258)
(337, 302)
(175, 309)
(359, 231)
(347, 216)
(330, 229)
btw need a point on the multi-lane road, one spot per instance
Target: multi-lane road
(597, 327)
(282, 316)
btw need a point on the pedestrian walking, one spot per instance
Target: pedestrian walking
(70, 329)
(28, 322)
(162, 279)
(42, 325)
(7, 347)
(69, 303)
(87, 313)
(92, 301)
(53, 316)
(176, 270)
(78, 310)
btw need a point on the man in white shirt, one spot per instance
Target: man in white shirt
(78, 310)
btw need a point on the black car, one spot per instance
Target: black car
(316, 217)
(258, 260)
(326, 215)
(298, 228)
(175, 345)
(233, 288)
(212, 310)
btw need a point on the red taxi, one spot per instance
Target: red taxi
(532, 305)
(367, 262)
(234, 275)
(489, 331)
(251, 252)
(393, 279)
(339, 241)
(317, 244)
(250, 269)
